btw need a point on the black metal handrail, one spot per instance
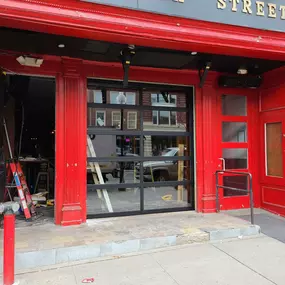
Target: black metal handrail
(248, 190)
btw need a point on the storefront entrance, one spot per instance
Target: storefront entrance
(142, 144)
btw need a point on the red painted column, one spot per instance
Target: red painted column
(209, 133)
(71, 116)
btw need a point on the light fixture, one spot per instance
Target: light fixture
(30, 61)
(194, 53)
(242, 71)
(61, 45)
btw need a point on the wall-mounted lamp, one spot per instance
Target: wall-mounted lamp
(30, 61)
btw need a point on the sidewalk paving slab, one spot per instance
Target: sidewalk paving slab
(47, 245)
(199, 264)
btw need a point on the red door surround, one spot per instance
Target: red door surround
(74, 18)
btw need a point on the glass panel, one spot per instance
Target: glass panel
(111, 118)
(114, 145)
(274, 153)
(234, 105)
(121, 97)
(112, 97)
(158, 171)
(234, 132)
(164, 99)
(165, 145)
(114, 172)
(164, 197)
(165, 121)
(239, 182)
(121, 200)
(95, 96)
(235, 158)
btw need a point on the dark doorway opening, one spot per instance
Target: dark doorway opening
(30, 118)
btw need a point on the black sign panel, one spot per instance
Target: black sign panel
(266, 14)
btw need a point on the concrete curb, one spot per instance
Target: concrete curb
(222, 234)
(37, 259)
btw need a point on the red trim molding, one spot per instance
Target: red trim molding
(99, 22)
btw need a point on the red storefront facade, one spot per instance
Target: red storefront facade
(113, 24)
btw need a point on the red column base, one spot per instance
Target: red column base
(71, 215)
(209, 204)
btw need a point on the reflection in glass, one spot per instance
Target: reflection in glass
(239, 182)
(111, 118)
(274, 149)
(112, 145)
(165, 121)
(234, 132)
(160, 145)
(111, 172)
(234, 105)
(130, 97)
(120, 201)
(235, 158)
(164, 197)
(167, 170)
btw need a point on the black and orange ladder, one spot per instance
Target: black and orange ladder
(20, 182)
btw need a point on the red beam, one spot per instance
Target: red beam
(93, 21)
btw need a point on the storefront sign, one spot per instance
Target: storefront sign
(266, 14)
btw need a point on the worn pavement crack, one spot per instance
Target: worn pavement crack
(256, 272)
(161, 266)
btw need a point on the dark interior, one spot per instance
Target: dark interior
(29, 42)
(34, 135)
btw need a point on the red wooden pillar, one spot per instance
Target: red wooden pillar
(71, 114)
(210, 112)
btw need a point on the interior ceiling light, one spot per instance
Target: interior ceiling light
(30, 61)
(61, 45)
(194, 53)
(242, 71)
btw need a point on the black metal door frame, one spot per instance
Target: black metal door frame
(189, 134)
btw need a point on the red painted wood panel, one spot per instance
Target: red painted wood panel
(273, 199)
(272, 98)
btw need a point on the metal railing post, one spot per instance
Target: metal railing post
(217, 193)
(249, 189)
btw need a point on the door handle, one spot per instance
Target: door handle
(223, 163)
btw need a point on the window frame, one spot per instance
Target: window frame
(118, 112)
(103, 112)
(128, 120)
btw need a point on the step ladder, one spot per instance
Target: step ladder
(97, 175)
(19, 178)
(23, 190)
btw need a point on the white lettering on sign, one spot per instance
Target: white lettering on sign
(263, 9)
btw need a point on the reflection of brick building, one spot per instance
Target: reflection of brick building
(112, 117)
(157, 120)
(153, 120)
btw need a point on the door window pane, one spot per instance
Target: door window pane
(234, 105)
(234, 132)
(235, 158)
(274, 154)
(239, 182)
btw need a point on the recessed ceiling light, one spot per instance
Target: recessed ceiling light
(61, 45)
(242, 71)
(194, 53)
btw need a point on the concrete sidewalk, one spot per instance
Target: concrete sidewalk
(48, 245)
(248, 261)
